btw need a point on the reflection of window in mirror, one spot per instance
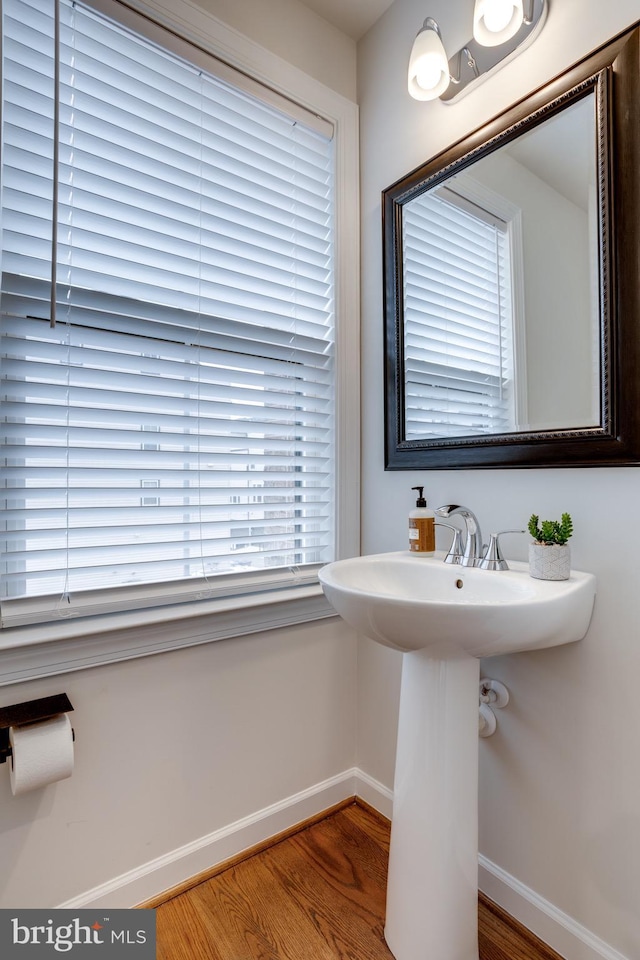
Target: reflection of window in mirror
(550, 173)
(463, 324)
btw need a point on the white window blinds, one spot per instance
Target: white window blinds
(175, 427)
(458, 333)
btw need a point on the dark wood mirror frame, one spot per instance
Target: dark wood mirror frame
(613, 74)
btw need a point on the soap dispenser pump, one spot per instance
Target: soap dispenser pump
(422, 530)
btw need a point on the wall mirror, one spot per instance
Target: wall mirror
(512, 301)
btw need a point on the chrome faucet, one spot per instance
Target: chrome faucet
(473, 546)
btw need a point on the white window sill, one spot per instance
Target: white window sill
(27, 653)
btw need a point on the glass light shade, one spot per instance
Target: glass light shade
(496, 21)
(428, 66)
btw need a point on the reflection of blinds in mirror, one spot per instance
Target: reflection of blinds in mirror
(457, 319)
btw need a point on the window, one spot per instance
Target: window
(458, 314)
(169, 411)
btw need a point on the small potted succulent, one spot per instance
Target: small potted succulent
(549, 554)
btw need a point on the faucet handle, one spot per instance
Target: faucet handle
(493, 559)
(455, 550)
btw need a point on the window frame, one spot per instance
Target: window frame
(71, 644)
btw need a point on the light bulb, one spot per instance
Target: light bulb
(428, 71)
(496, 21)
(497, 15)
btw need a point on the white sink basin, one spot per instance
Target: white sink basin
(444, 618)
(411, 602)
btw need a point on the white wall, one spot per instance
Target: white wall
(173, 749)
(560, 782)
(295, 33)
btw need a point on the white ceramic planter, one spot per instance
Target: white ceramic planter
(550, 561)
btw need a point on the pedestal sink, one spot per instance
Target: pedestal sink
(444, 618)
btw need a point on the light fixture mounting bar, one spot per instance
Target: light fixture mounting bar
(473, 60)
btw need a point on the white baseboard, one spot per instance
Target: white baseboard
(564, 934)
(374, 793)
(155, 876)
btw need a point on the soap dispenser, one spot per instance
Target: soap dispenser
(422, 530)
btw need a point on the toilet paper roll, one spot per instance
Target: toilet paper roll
(42, 753)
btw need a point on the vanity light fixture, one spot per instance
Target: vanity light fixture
(501, 28)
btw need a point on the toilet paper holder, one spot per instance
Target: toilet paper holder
(30, 711)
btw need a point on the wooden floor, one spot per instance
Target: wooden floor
(317, 895)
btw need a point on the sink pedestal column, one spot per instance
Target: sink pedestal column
(432, 887)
